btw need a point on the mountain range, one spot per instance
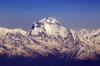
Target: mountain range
(47, 37)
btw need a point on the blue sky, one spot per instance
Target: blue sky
(70, 13)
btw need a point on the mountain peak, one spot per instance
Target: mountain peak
(50, 26)
(50, 20)
(46, 21)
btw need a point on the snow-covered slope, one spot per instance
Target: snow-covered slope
(48, 36)
(4, 31)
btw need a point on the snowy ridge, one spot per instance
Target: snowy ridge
(4, 31)
(48, 36)
(49, 20)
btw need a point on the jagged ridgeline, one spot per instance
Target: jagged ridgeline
(49, 39)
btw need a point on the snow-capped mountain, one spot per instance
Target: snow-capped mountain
(48, 36)
(49, 26)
